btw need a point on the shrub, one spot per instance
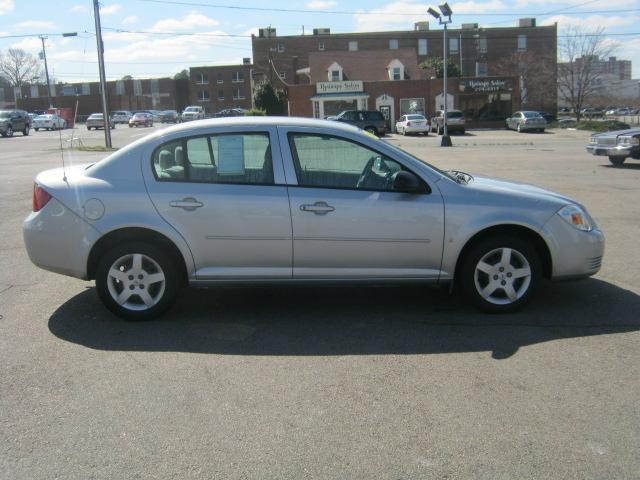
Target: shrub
(255, 112)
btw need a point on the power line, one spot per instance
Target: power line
(355, 12)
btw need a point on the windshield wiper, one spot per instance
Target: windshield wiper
(460, 177)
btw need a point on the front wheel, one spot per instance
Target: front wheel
(371, 130)
(499, 274)
(25, 132)
(137, 281)
(36, 129)
(617, 161)
(519, 129)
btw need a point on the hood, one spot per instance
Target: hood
(522, 191)
(615, 133)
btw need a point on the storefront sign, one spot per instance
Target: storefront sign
(485, 85)
(350, 86)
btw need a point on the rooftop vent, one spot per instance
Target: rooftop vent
(322, 31)
(246, 61)
(469, 26)
(266, 32)
(421, 26)
(527, 22)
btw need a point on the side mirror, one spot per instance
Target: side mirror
(407, 182)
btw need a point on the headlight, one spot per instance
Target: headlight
(576, 217)
(628, 141)
(593, 140)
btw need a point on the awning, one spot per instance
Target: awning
(338, 96)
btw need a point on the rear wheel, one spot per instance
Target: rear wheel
(25, 131)
(8, 132)
(617, 161)
(371, 130)
(499, 274)
(137, 281)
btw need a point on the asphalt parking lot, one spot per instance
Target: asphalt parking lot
(322, 382)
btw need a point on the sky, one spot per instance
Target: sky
(139, 35)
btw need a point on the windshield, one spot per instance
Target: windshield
(191, 109)
(96, 115)
(531, 114)
(5, 114)
(454, 114)
(43, 117)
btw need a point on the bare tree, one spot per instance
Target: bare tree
(19, 67)
(537, 78)
(579, 71)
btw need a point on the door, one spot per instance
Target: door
(347, 220)
(226, 196)
(386, 113)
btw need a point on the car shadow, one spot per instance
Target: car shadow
(324, 320)
(627, 165)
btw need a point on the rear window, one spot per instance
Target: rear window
(531, 114)
(415, 117)
(372, 116)
(454, 114)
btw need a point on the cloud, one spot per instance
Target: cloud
(387, 18)
(321, 4)
(110, 9)
(566, 5)
(32, 45)
(79, 9)
(592, 22)
(191, 21)
(6, 6)
(129, 20)
(34, 25)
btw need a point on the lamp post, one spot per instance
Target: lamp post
(445, 11)
(46, 67)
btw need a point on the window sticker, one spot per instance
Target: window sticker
(231, 155)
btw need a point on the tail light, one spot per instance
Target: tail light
(40, 197)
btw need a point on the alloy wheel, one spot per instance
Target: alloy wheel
(502, 276)
(136, 282)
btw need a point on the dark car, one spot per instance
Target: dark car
(230, 112)
(14, 121)
(169, 116)
(371, 121)
(549, 117)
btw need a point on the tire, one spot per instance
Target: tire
(617, 161)
(371, 130)
(8, 132)
(37, 129)
(147, 300)
(88, 128)
(518, 129)
(25, 132)
(484, 285)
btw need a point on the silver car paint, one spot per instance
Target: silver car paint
(119, 184)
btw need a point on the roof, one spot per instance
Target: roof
(367, 65)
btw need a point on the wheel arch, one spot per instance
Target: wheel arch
(538, 242)
(128, 234)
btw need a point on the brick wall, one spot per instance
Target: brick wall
(228, 87)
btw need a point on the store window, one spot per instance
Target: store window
(202, 79)
(412, 105)
(486, 107)
(237, 77)
(321, 46)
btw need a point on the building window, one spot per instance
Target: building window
(280, 47)
(321, 46)
(353, 46)
(34, 91)
(203, 96)
(482, 45)
(283, 75)
(393, 44)
(220, 94)
(412, 106)
(237, 94)
(522, 42)
(422, 46)
(155, 86)
(137, 88)
(335, 75)
(202, 79)
(453, 45)
(86, 89)
(396, 74)
(238, 77)
(481, 69)
(220, 77)
(120, 87)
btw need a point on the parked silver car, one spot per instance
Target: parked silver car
(526, 121)
(272, 199)
(96, 121)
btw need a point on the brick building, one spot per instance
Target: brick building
(220, 87)
(479, 52)
(129, 94)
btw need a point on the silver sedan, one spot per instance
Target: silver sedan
(265, 200)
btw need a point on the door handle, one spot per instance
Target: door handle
(319, 208)
(188, 203)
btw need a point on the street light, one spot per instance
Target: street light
(46, 67)
(446, 11)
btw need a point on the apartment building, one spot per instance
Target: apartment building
(221, 87)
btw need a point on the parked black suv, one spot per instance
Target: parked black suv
(14, 121)
(370, 120)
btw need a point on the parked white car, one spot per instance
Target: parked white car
(193, 112)
(121, 116)
(412, 123)
(49, 122)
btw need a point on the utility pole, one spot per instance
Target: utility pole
(103, 80)
(46, 69)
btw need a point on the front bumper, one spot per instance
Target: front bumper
(617, 151)
(574, 253)
(58, 240)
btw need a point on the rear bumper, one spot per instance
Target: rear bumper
(617, 151)
(417, 129)
(58, 240)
